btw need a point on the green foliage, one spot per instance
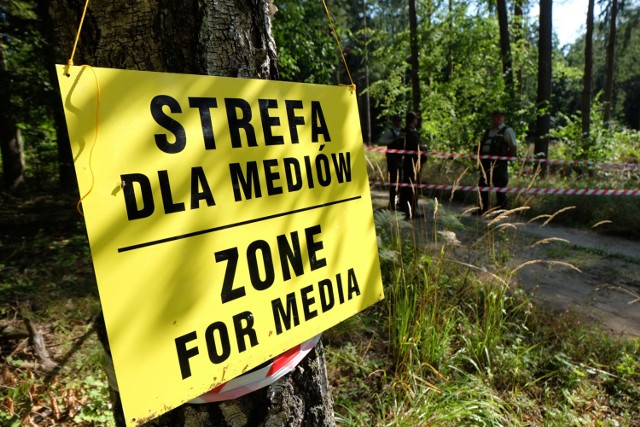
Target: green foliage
(598, 146)
(392, 93)
(566, 90)
(614, 143)
(460, 70)
(626, 87)
(96, 409)
(464, 348)
(460, 74)
(82, 402)
(307, 51)
(628, 366)
(604, 144)
(27, 81)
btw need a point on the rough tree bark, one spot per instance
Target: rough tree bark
(230, 38)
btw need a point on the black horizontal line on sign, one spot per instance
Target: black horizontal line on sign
(236, 224)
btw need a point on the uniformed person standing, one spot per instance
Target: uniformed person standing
(411, 167)
(498, 140)
(392, 138)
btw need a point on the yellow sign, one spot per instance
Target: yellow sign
(229, 220)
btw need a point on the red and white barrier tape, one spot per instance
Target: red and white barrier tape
(551, 191)
(518, 159)
(256, 379)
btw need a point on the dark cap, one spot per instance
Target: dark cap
(411, 115)
(396, 117)
(498, 113)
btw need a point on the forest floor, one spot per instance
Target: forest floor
(592, 276)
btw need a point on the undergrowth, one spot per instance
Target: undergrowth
(46, 279)
(453, 344)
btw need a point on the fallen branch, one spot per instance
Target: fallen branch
(36, 339)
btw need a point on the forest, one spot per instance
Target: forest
(457, 61)
(459, 339)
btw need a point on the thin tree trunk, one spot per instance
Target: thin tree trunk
(366, 74)
(414, 61)
(518, 36)
(66, 172)
(587, 80)
(607, 96)
(12, 153)
(505, 46)
(449, 71)
(543, 123)
(11, 145)
(215, 37)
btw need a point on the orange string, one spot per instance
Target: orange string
(95, 140)
(335, 35)
(75, 43)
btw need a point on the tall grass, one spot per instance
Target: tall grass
(454, 344)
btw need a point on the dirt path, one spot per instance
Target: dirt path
(606, 289)
(595, 277)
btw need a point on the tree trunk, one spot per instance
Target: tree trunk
(300, 398)
(518, 23)
(414, 61)
(10, 138)
(543, 123)
(505, 46)
(214, 37)
(587, 80)
(449, 72)
(229, 38)
(607, 96)
(367, 99)
(12, 153)
(66, 172)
